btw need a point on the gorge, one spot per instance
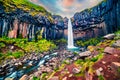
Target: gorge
(35, 44)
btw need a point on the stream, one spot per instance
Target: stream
(18, 74)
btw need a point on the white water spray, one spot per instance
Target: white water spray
(70, 35)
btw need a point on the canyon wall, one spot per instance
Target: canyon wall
(20, 23)
(97, 21)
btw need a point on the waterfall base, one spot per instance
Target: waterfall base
(73, 48)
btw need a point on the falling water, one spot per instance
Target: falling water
(70, 35)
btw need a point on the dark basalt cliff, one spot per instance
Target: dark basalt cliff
(23, 19)
(97, 21)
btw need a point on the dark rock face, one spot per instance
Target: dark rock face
(97, 21)
(20, 23)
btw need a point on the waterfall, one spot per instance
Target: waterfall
(70, 35)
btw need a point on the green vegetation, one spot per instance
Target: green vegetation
(40, 46)
(22, 46)
(16, 54)
(92, 41)
(60, 41)
(117, 35)
(101, 77)
(25, 5)
(2, 45)
(36, 78)
(88, 63)
(10, 55)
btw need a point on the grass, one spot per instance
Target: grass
(25, 5)
(92, 41)
(2, 45)
(23, 47)
(40, 46)
(101, 77)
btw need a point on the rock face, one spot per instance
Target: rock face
(97, 21)
(20, 23)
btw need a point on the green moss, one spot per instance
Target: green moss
(40, 46)
(92, 41)
(25, 5)
(2, 44)
(36, 78)
(101, 77)
(16, 54)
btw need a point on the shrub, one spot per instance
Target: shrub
(2, 45)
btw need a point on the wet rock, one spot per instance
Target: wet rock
(109, 50)
(54, 78)
(109, 36)
(75, 70)
(24, 77)
(30, 63)
(116, 44)
(9, 79)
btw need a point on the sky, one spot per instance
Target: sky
(66, 8)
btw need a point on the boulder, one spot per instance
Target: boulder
(9, 79)
(98, 71)
(65, 78)
(116, 44)
(109, 50)
(109, 36)
(116, 65)
(75, 70)
(54, 78)
(85, 54)
(24, 77)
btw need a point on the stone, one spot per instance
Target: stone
(70, 75)
(24, 77)
(116, 64)
(109, 36)
(75, 70)
(85, 54)
(30, 63)
(103, 62)
(109, 50)
(116, 44)
(98, 71)
(9, 79)
(54, 78)
(11, 47)
(65, 78)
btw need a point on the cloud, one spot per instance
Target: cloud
(66, 7)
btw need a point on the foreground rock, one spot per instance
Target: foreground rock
(109, 36)
(24, 77)
(85, 54)
(54, 78)
(116, 44)
(109, 50)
